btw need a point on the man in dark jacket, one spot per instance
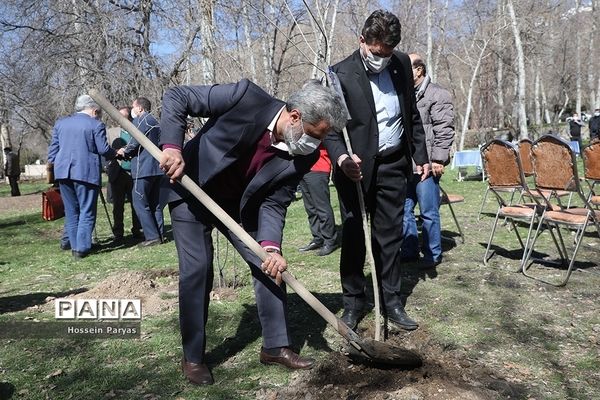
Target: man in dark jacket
(146, 174)
(437, 114)
(575, 125)
(594, 124)
(120, 182)
(12, 170)
(249, 157)
(385, 133)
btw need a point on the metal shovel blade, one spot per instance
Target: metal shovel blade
(380, 353)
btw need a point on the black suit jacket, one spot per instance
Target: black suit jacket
(362, 127)
(238, 117)
(143, 165)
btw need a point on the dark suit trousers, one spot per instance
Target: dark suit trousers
(14, 185)
(385, 205)
(315, 194)
(121, 189)
(146, 202)
(192, 228)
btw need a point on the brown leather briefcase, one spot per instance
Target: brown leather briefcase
(52, 205)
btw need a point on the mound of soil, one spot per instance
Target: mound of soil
(445, 375)
(157, 289)
(157, 295)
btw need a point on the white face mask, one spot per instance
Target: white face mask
(299, 143)
(134, 115)
(375, 63)
(597, 113)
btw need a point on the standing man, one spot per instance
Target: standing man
(146, 174)
(77, 143)
(249, 157)
(437, 114)
(575, 125)
(317, 203)
(385, 133)
(594, 125)
(12, 170)
(120, 182)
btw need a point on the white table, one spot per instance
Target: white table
(467, 158)
(574, 144)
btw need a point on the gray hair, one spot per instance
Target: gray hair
(318, 103)
(85, 102)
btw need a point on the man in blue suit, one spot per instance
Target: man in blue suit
(249, 157)
(146, 174)
(77, 143)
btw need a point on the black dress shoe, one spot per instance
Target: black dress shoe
(311, 246)
(287, 358)
(78, 255)
(398, 317)
(198, 374)
(429, 264)
(326, 250)
(352, 317)
(148, 243)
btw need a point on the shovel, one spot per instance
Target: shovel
(373, 351)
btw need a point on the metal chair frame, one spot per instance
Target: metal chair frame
(448, 200)
(591, 164)
(502, 163)
(556, 170)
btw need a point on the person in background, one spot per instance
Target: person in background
(121, 183)
(594, 125)
(249, 158)
(12, 170)
(317, 203)
(146, 174)
(386, 133)
(77, 143)
(575, 125)
(437, 114)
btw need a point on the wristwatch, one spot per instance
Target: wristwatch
(273, 250)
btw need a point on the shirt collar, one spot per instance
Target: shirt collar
(271, 127)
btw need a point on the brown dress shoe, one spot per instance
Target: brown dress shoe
(198, 374)
(287, 358)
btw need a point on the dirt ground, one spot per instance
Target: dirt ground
(445, 373)
(21, 203)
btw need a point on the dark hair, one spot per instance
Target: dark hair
(7, 149)
(418, 62)
(128, 108)
(382, 27)
(144, 103)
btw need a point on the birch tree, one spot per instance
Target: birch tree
(522, 113)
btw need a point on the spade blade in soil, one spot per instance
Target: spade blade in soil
(380, 353)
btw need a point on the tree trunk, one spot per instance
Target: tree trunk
(577, 62)
(248, 40)
(474, 74)
(521, 72)
(208, 42)
(500, 70)
(536, 96)
(430, 41)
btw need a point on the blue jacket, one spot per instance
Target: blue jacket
(77, 143)
(143, 165)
